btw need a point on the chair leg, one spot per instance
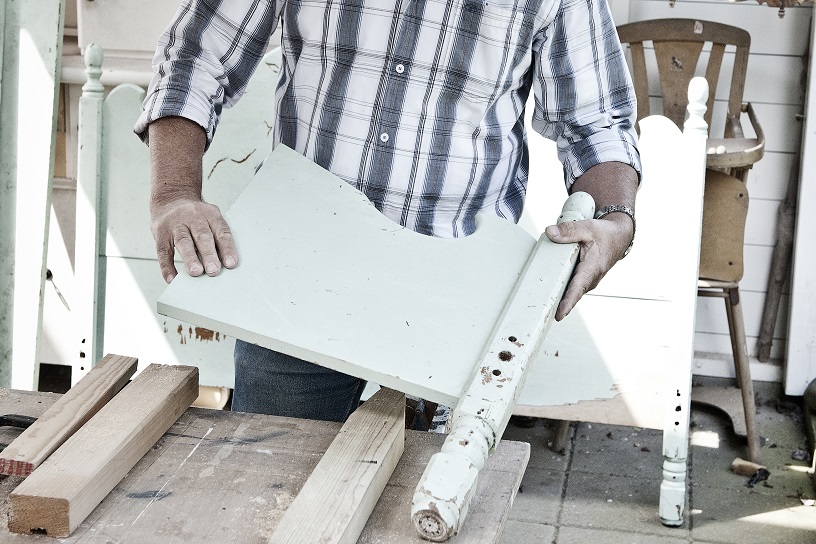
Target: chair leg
(736, 325)
(561, 436)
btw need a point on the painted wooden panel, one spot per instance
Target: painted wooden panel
(31, 46)
(296, 262)
(580, 346)
(801, 362)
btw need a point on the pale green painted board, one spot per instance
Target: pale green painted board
(325, 277)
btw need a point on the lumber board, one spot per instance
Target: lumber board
(67, 415)
(61, 493)
(340, 494)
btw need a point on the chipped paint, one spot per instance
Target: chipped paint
(487, 377)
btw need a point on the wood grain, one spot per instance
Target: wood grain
(67, 415)
(60, 494)
(337, 499)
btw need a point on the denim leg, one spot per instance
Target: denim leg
(268, 382)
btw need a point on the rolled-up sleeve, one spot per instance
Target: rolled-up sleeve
(204, 59)
(584, 98)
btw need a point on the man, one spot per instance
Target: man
(417, 103)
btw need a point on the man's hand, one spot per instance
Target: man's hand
(179, 219)
(603, 241)
(199, 233)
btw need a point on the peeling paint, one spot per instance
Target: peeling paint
(206, 335)
(486, 375)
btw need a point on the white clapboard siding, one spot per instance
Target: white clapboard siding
(778, 49)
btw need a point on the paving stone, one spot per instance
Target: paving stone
(741, 516)
(619, 503)
(539, 498)
(539, 436)
(522, 532)
(618, 450)
(581, 535)
(714, 447)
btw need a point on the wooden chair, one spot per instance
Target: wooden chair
(681, 48)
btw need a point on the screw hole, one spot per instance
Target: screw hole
(497, 372)
(512, 339)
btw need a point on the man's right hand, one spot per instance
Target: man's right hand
(179, 219)
(199, 233)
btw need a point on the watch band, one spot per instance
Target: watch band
(606, 210)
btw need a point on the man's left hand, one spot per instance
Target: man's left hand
(603, 241)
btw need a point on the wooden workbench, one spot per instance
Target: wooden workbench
(228, 477)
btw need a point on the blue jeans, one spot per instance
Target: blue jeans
(268, 382)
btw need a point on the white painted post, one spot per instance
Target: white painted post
(441, 499)
(32, 46)
(800, 368)
(676, 428)
(88, 237)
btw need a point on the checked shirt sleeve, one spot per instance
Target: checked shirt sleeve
(204, 60)
(584, 99)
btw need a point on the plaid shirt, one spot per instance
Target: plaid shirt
(417, 103)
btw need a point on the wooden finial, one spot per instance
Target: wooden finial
(697, 97)
(93, 67)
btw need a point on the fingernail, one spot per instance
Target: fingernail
(169, 277)
(212, 268)
(195, 270)
(553, 230)
(230, 262)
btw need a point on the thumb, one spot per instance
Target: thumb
(567, 232)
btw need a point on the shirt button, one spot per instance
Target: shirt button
(400, 68)
(383, 137)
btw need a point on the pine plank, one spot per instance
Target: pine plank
(335, 502)
(67, 415)
(61, 493)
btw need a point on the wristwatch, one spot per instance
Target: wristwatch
(606, 210)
